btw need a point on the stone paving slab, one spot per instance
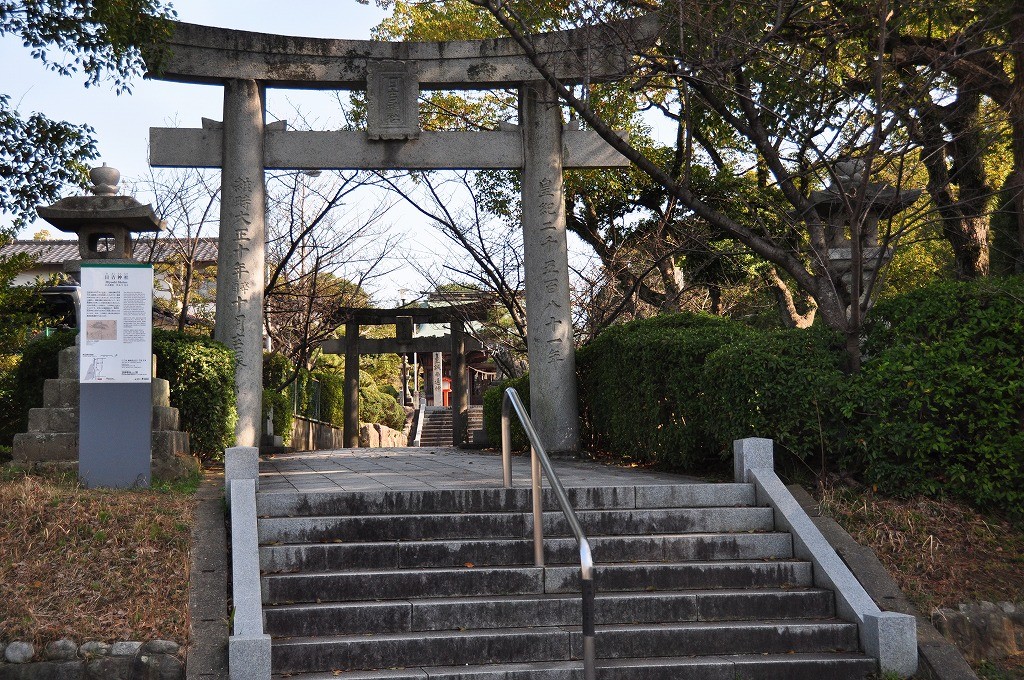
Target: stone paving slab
(412, 469)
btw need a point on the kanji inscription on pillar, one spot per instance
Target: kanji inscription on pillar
(392, 100)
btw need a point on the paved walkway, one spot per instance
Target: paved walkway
(410, 469)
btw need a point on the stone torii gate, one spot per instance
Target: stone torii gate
(393, 73)
(404, 343)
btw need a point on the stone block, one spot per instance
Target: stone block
(19, 652)
(160, 647)
(61, 392)
(369, 437)
(44, 670)
(241, 462)
(53, 419)
(161, 392)
(249, 657)
(982, 631)
(93, 649)
(752, 452)
(157, 667)
(129, 648)
(42, 447)
(891, 638)
(68, 363)
(166, 418)
(109, 668)
(61, 650)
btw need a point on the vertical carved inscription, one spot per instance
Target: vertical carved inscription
(549, 320)
(392, 100)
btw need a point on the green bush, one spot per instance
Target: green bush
(938, 407)
(492, 412)
(779, 384)
(332, 397)
(276, 370)
(38, 362)
(201, 372)
(376, 406)
(641, 386)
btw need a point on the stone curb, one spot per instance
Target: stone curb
(208, 584)
(938, 658)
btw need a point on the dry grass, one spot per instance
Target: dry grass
(942, 553)
(92, 564)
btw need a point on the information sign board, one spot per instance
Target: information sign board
(117, 323)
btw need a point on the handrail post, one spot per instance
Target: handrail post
(506, 441)
(538, 509)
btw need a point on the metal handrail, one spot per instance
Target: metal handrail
(539, 458)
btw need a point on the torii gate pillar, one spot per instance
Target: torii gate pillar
(241, 259)
(553, 406)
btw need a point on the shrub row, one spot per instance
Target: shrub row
(938, 407)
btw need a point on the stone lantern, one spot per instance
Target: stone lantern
(104, 223)
(833, 206)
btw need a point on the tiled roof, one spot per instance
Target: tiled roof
(58, 251)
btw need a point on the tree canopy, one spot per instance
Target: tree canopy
(97, 41)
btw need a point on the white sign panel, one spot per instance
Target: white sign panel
(438, 383)
(117, 323)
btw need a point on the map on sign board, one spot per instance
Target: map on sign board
(117, 323)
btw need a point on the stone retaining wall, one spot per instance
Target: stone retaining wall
(315, 435)
(984, 630)
(65, 660)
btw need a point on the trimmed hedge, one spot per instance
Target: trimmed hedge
(938, 407)
(641, 387)
(377, 406)
(276, 370)
(202, 376)
(779, 384)
(493, 397)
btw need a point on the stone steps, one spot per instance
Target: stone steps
(431, 614)
(692, 580)
(517, 645)
(834, 666)
(519, 551)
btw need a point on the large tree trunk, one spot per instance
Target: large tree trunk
(790, 315)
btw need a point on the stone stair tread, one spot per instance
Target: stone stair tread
(626, 594)
(697, 535)
(530, 567)
(718, 667)
(560, 609)
(339, 503)
(643, 628)
(513, 524)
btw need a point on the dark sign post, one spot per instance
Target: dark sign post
(116, 369)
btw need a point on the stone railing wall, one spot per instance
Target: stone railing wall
(316, 435)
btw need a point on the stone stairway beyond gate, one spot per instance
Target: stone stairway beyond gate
(437, 425)
(693, 581)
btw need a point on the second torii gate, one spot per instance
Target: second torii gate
(244, 146)
(403, 343)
